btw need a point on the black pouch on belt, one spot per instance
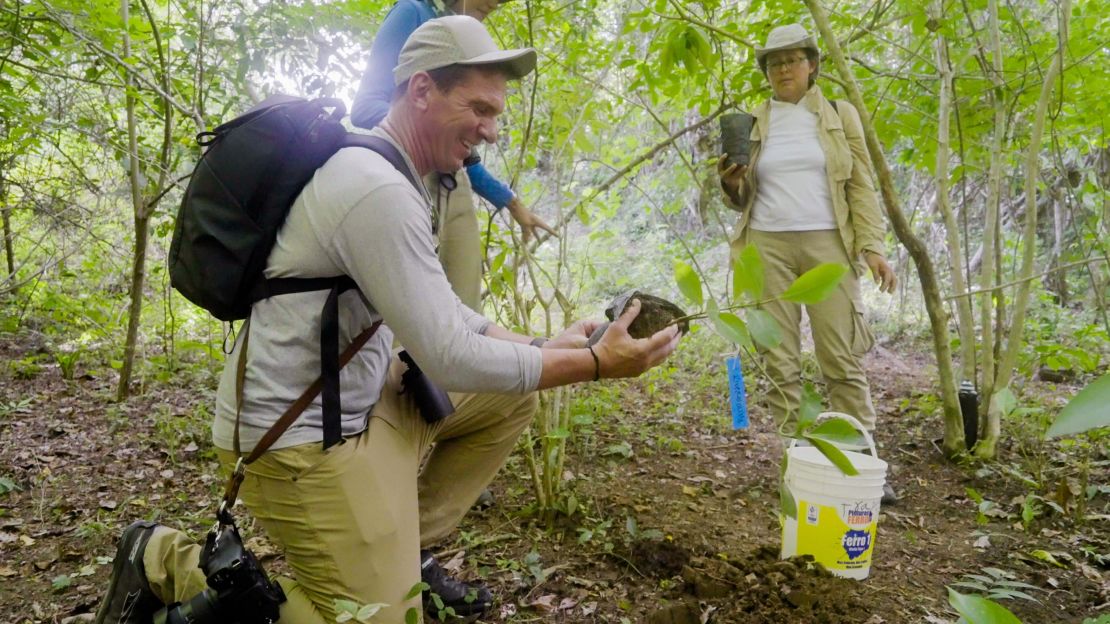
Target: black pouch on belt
(433, 403)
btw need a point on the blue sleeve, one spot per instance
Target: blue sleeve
(376, 89)
(488, 187)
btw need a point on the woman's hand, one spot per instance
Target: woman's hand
(732, 175)
(527, 219)
(881, 271)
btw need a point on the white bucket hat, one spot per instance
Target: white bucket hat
(789, 37)
(458, 40)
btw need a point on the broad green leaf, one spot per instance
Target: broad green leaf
(764, 329)
(835, 455)
(787, 504)
(1090, 409)
(747, 273)
(837, 431)
(979, 610)
(417, 589)
(1004, 401)
(688, 282)
(811, 406)
(729, 326)
(816, 284)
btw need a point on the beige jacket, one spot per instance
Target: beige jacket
(849, 171)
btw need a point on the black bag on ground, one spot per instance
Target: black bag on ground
(239, 195)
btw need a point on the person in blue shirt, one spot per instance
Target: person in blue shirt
(460, 248)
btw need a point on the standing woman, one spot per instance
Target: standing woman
(807, 198)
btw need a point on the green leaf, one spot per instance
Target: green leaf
(787, 504)
(837, 431)
(688, 282)
(1090, 409)
(729, 326)
(747, 273)
(412, 616)
(811, 406)
(416, 590)
(816, 284)
(835, 455)
(764, 329)
(368, 611)
(1004, 401)
(62, 582)
(979, 610)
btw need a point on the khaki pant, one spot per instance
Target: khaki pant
(352, 519)
(840, 333)
(460, 243)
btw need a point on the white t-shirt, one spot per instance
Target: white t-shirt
(359, 216)
(792, 192)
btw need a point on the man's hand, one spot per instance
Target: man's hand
(621, 355)
(573, 337)
(732, 175)
(527, 219)
(881, 271)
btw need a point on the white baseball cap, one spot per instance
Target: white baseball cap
(458, 40)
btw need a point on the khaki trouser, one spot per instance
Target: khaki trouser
(460, 243)
(351, 520)
(840, 333)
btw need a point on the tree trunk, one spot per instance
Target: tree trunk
(6, 217)
(142, 224)
(938, 318)
(952, 230)
(987, 448)
(991, 212)
(1057, 282)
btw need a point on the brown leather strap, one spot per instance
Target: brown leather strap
(231, 491)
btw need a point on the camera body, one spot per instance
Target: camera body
(239, 591)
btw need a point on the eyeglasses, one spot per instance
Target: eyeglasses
(787, 64)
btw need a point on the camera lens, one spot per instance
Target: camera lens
(200, 609)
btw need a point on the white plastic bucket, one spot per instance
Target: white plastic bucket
(837, 514)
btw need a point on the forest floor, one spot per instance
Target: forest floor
(674, 514)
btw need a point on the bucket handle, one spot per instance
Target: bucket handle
(852, 420)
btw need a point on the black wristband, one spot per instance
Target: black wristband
(597, 363)
(538, 342)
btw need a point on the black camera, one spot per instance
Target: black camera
(239, 592)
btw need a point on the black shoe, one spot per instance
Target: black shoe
(485, 500)
(129, 599)
(889, 496)
(451, 591)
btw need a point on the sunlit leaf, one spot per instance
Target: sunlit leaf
(835, 455)
(816, 284)
(688, 282)
(1090, 409)
(837, 431)
(747, 273)
(729, 326)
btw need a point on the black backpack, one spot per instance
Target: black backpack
(239, 195)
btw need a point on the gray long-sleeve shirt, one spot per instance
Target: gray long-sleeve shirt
(359, 216)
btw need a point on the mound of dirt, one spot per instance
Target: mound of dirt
(759, 588)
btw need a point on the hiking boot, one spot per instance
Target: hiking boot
(453, 592)
(129, 599)
(890, 497)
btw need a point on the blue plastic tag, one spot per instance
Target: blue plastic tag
(738, 398)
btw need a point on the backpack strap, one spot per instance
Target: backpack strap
(331, 361)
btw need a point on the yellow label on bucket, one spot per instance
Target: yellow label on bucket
(839, 539)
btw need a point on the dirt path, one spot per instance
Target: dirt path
(674, 514)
